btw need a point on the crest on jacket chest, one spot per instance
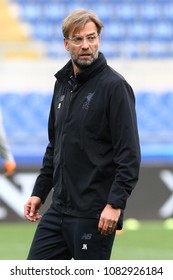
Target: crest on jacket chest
(88, 100)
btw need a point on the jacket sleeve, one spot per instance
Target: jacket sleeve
(44, 181)
(125, 139)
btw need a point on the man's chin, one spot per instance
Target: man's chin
(83, 64)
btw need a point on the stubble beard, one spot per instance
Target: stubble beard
(84, 63)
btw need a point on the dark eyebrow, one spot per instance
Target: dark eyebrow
(90, 34)
(93, 33)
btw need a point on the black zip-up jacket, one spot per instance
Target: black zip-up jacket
(93, 155)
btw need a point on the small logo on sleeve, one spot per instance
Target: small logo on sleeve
(60, 101)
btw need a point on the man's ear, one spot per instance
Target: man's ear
(66, 44)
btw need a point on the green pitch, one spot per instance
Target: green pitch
(149, 241)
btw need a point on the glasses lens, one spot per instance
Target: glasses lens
(78, 41)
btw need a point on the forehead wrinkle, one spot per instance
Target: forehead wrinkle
(75, 30)
(88, 34)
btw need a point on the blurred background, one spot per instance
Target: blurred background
(137, 41)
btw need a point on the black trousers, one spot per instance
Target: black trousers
(63, 237)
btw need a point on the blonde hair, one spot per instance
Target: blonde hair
(77, 20)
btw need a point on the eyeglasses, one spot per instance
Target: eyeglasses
(78, 41)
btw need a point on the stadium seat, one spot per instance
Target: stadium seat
(167, 11)
(150, 11)
(157, 50)
(114, 32)
(163, 31)
(139, 31)
(126, 12)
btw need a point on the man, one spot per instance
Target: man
(93, 156)
(5, 152)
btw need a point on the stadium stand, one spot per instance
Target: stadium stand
(27, 127)
(14, 37)
(134, 29)
(148, 24)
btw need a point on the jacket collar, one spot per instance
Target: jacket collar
(66, 72)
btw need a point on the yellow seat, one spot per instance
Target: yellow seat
(15, 41)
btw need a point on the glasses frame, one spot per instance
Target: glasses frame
(82, 40)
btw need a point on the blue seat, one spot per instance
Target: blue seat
(150, 11)
(105, 11)
(46, 31)
(126, 11)
(167, 11)
(55, 13)
(130, 50)
(154, 112)
(110, 49)
(30, 12)
(56, 49)
(139, 31)
(156, 49)
(163, 31)
(114, 31)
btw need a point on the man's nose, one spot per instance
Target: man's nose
(85, 44)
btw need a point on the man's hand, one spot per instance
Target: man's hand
(108, 219)
(31, 208)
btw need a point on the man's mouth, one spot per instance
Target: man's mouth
(85, 55)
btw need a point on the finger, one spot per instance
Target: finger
(100, 225)
(110, 230)
(29, 212)
(33, 210)
(103, 232)
(33, 218)
(104, 229)
(26, 211)
(38, 216)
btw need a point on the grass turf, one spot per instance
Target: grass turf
(151, 241)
